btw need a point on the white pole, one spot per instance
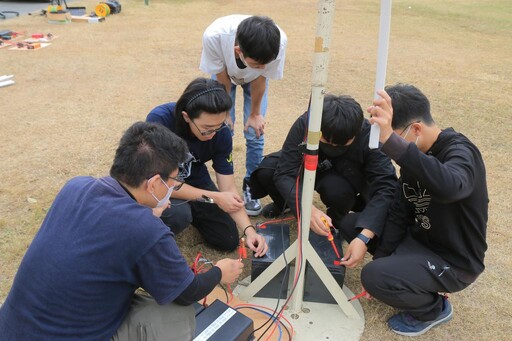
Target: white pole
(382, 61)
(318, 82)
(306, 252)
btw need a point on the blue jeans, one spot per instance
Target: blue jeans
(254, 146)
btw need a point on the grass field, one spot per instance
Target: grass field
(72, 101)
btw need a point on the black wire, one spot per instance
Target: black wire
(279, 321)
(225, 292)
(275, 314)
(299, 214)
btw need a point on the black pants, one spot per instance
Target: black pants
(215, 225)
(349, 230)
(410, 280)
(335, 191)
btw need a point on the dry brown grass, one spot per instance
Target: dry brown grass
(72, 101)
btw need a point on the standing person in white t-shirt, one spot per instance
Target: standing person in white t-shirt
(247, 51)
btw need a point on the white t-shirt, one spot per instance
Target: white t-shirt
(218, 52)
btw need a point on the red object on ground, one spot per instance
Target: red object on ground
(361, 294)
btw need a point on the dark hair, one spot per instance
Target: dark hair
(259, 38)
(147, 149)
(201, 95)
(409, 105)
(342, 118)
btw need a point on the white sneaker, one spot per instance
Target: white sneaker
(252, 206)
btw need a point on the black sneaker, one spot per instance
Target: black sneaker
(271, 211)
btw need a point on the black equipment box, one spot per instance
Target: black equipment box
(314, 288)
(220, 322)
(278, 240)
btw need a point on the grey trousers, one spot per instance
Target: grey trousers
(149, 321)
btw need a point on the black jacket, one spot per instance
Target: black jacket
(368, 170)
(442, 200)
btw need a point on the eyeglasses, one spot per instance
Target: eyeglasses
(180, 180)
(175, 187)
(211, 131)
(408, 127)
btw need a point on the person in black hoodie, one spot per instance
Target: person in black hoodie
(350, 177)
(434, 237)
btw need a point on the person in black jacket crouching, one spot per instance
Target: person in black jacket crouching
(350, 177)
(434, 237)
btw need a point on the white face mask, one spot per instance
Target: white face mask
(165, 200)
(242, 59)
(417, 137)
(259, 66)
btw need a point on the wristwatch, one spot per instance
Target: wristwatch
(364, 238)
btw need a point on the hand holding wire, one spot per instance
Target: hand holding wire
(230, 268)
(257, 244)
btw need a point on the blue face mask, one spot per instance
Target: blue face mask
(165, 199)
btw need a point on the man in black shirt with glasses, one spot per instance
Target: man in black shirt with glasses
(434, 237)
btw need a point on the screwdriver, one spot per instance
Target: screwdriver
(330, 237)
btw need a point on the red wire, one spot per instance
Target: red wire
(273, 329)
(276, 221)
(299, 230)
(290, 326)
(299, 257)
(194, 265)
(335, 249)
(299, 260)
(197, 270)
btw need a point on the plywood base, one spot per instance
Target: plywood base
(318, 321)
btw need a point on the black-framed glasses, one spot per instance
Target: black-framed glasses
(211, 131)
(180, 180)
(175, 187)
(407, 127)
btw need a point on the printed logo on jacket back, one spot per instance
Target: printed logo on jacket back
(421, 200)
